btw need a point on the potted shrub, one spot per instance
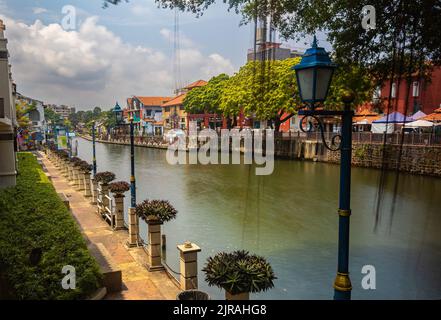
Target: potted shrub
(239, 273)
(118, 189)
(104, 178)
(155, 213)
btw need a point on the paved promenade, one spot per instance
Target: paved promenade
(138, 283)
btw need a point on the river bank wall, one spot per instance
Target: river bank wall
(415, 159)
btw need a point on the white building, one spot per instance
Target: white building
(8, 122)
(36, 116)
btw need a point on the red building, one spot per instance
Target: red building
(423, 95)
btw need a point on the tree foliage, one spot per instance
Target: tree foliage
(206, 98)
(265, 90)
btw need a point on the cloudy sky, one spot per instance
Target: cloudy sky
(107, 55)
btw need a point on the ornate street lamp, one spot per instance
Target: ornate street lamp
(314, 75)
(93, 148)
(119, 119)
(119, 122)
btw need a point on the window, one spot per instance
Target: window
(415, 89)
(182, 119)
(3, 54)
(2, 108)
(167, 109)
(181, 108)
(394, 90)
(377, 94)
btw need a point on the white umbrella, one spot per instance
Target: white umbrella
(419, 124)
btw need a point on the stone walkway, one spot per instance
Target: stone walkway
(138, 283)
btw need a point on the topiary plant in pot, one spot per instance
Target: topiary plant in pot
(85, 166)
(104, 177)
(239, 273)
(155, 213)
(119, 188)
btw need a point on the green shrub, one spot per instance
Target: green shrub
(32, 216)
(160, 210)
(239, 272)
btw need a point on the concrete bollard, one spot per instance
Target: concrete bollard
(133, 240)
(66, 168)
(80, 186)
(76, 178)
(154, 260)
(94, 189)
(87, 185)
(188, 265)
(119, 212)
(104, 201)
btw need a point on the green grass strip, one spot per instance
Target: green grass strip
(32, 216)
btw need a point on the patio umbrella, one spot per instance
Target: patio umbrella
(419, 124)
(418, 115)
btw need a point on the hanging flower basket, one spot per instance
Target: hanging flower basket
(104, 177)
(119, 188)
(156, 210)
(239, 272)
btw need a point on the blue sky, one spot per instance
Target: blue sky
(117, 52)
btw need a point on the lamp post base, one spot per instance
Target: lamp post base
(342, 286)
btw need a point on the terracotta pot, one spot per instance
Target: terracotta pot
(239, 296)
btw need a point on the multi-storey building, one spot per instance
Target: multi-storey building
(36, 115)
(146, 113)
(173, 112)
(423, 95)
(63, 111)
(8, 122)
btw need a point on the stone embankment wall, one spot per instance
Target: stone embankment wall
(417, 159)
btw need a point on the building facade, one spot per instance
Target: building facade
(8, 122)
(173, 111)
(63, 111)
(147, 113)
(422, 95)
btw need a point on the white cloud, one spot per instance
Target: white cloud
(184, 41)
(140, 10)
(92, 66)
(39, 10)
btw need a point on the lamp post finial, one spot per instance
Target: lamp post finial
(314, 42)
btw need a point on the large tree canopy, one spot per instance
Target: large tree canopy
(268, 91)
(206, 98)
(403, 28)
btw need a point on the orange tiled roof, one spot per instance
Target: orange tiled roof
(436, 116)
(368, 118)
(153, 101)
(178, 100)
(366, 113)
(195, 84)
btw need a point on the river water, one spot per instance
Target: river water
(290, 217)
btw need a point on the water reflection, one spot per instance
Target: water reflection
(291, 218)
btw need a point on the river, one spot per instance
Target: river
(290, 217)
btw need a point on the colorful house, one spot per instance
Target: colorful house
(173, 111)
(146, 113)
